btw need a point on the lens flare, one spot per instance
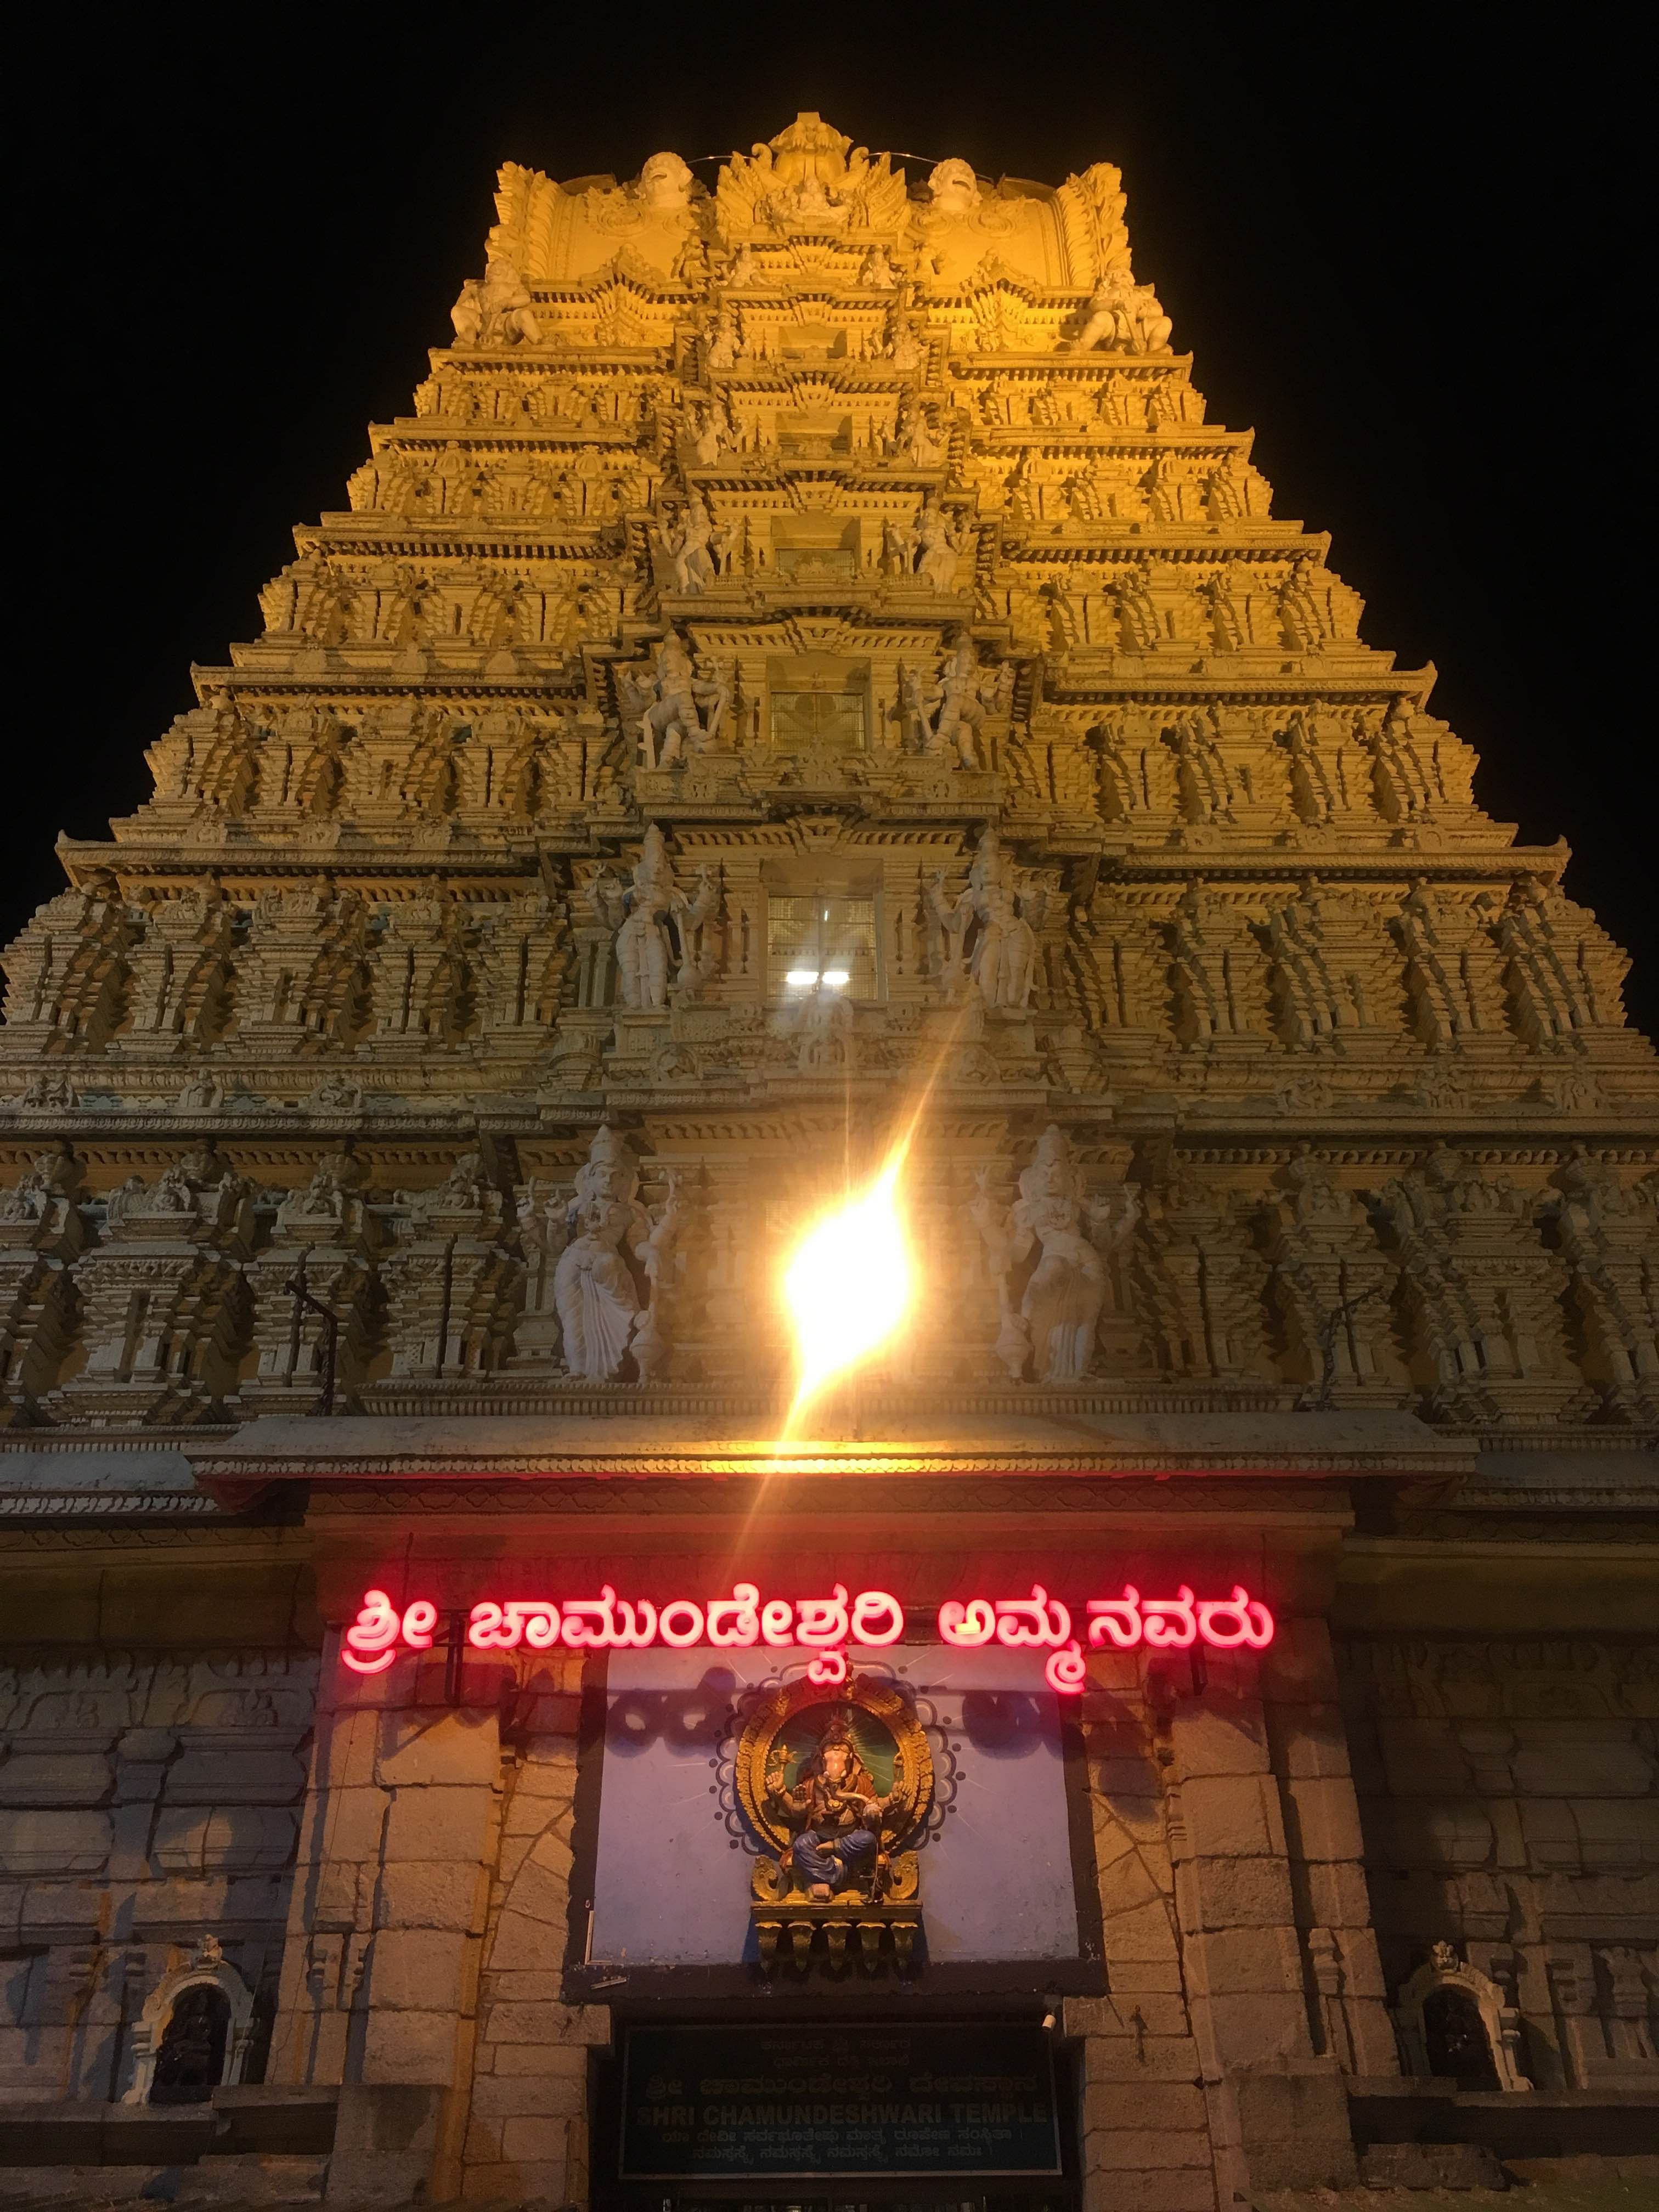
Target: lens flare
(849, 1284)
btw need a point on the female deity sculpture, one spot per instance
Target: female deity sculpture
(595, 1291)
(1060, 1309)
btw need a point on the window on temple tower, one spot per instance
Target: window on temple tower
(822, 940)
(817, 702)
(831, 719)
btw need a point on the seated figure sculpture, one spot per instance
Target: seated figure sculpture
(836, 1816)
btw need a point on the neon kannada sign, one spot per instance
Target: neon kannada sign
(822, 1626)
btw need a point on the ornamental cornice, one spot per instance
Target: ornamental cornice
(1006, 1441)
(866, 1506)
(1067, 684)
(1104, 543)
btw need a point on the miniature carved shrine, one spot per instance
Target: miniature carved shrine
(806, 687)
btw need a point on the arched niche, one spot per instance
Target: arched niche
(1457, 2023)
(193, 2034)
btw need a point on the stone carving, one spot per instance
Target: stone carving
(1331, 1284)
(808, 181)
(66, 975)
(497, 312)
(692, 545)
(452, 1283)
(1203, 785)
(42, 1233)
(988, 935)
(1123, 317)
(947, 718)
(662, 936)
(1609, 1239)
(1052, 1330)
(1217, 984)
(613, 1245)
(1479, 1293)
(317, 1302)
(1405, 788)
(1201, 1280)
(1325, 954)
(163, 1297)
(678, 711)
(1551, 968)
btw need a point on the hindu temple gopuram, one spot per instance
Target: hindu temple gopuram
(804, 711)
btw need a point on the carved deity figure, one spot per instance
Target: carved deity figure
(595, 1289)
(497, 312)
(659, 931)
(1124, 316)
(836, 1812)
(951, 713)
(954, 188)
(664, 184)
(679, 710)
(987, 939)
(690, 545)
(939, 548)
(824, 1031)
(1059, 1307)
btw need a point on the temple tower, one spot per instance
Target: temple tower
(806, 652)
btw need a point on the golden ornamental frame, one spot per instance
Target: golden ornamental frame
(913, 1768)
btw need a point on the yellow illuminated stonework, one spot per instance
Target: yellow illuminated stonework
(806, 823)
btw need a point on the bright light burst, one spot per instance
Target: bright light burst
(849, 1284)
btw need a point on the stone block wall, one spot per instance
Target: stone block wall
(1244, 1982)
(146, 1799)
(429, 1931)
(1508, 1793)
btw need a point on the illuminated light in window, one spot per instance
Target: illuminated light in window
(837, 979)
(802, 979)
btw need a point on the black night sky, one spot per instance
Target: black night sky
(1403, 252)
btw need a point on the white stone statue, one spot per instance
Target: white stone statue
(1123, 317)
(987, 941)
(1059, 1307)
(877, 270)
(664, 184)
(697, 546)
(498, 312)
(905, 351)
(953, 714)
(711, 439)
(719, 340)
(678, 710)
(611, 1243)
(939, 548)
(954, 188)
(660, 932)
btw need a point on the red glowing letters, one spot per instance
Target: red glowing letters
(823, 1626)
